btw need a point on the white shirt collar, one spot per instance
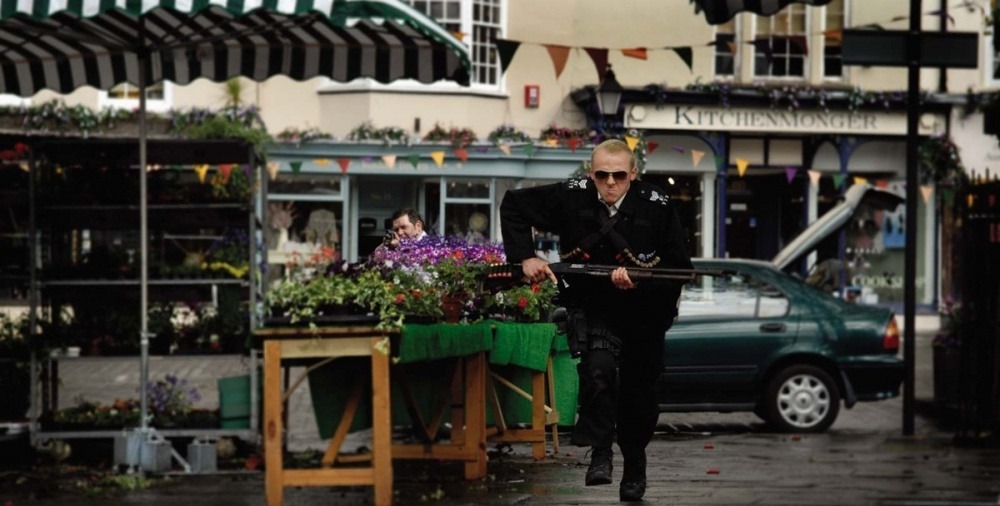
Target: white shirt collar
(613, 208)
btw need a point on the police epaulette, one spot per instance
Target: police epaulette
(577, 183)
(654, 194)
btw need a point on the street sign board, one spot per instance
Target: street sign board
(887, 48)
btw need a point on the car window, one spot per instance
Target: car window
(732, 295)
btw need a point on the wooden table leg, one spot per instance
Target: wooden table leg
(381, 425)
(550, 377)
(538, 413)
(273, 460)
(475, 418)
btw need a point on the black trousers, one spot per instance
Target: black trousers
(618, 393)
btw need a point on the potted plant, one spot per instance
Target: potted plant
(15, 353)
(523, 303)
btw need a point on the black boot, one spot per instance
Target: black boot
(599, 472)
(633, 485)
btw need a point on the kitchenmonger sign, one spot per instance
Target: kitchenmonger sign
(693, 117)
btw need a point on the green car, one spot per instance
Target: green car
(750, 337)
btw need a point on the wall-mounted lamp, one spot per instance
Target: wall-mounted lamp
(609, 94)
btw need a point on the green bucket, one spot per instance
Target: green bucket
(234, 402)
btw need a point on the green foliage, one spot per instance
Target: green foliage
(14, 337)
(229, 123)
(55, 115)
(297, 136)
(524, 303)
(388, 135)
(506, 134)
(940, 163)
(457, 137)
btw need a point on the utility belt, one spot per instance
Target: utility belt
(585, 334)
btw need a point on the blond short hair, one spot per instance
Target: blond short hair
(613, 147)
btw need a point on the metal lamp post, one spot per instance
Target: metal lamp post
(609, 96)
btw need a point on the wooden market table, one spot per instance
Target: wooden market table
(470, 386)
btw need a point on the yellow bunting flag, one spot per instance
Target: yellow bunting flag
(438, 157)
(741, 166)
(322, 161)
(202, 171)
(552, 143)
(696, 157)
(389, 161)
(505, 148)
(926, 190)
(632, 142)
(860, 180)
(272, 169)
(225, 169)
(814, 176)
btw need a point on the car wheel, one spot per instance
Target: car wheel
(802, 398)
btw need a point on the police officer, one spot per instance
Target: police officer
(616, 325)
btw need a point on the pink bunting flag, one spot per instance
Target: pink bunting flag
(925, 191)
(790, 174)
(344, 163)
(389, 161)
(272, 169)
(696, 157)
(814, 176)
(678, 149)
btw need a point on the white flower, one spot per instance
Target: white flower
(388, 264)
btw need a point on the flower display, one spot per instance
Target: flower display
(526, 303)
(457, 137)
(954, 317)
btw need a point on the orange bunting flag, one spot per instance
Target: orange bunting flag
(462, 154)
(696, 157)
(322, 161)
(814, 176)
(635, 52)
(741, 166)
(732, 46)
(438, 157)
(459, 35)
(272, 169)
(559, 55)
(389, 161)
(552, 143)
(926, 190)
(971, 199)
(632, 142)
(344, 163)
(225, 169)
(834, 34)
(882, 183)
(505, 148)
(573, 143)
(651, 146)
(202, 171)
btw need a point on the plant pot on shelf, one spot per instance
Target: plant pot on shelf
(452, 305)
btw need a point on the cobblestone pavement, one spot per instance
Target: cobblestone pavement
(701, 458)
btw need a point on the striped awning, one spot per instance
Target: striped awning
(61, 45)
(721, 11)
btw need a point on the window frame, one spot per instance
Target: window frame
(806, 60)
(160, 105)
(822, 61)
(751, 280)
(991, 62)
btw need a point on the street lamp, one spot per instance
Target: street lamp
(609, 94)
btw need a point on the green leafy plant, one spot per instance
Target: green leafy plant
(388, 135)
(524, 303)
(507, 134)
(457, 137)
(940, 163)
(297, 136)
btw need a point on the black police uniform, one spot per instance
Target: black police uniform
(619, 368)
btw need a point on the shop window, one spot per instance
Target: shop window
(835, 20)
(126, 96)
(992, 64)
(784, 36)
(305, 213)
(481, 28)
(725, 42)
(468, 207)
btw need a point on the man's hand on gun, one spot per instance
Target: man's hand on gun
(536, 270)
(621, 280)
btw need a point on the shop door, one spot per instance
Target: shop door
(765, 213)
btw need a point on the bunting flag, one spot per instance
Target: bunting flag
(506, 50)
(678, 149)
(529, 148)
(834, 34)
(389, 161)
(741, 166)
(225, 169)
(272, 169)
(559, 55)
(925, 191)
(790, 174)
(573, 143)
(763, 46)
(296, 167)
(814, 176)
(505, 148)
(202, 171)
(459, 35)
(696, 157)
(687, 55)
(631, 141)
(638, 53)
(462, 154)
(651, 146)
(344, 163)
(552, 143)
(949, 196)
(482, 149)
(600, 58)
(970, 199)
(860, 180)
(720, 161)
(882, 183)
(246, 170)
(366, 159)
(438, 157)
(414, 160)
(838, 181)
(732, 47)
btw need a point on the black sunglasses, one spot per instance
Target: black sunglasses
(603, 175)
